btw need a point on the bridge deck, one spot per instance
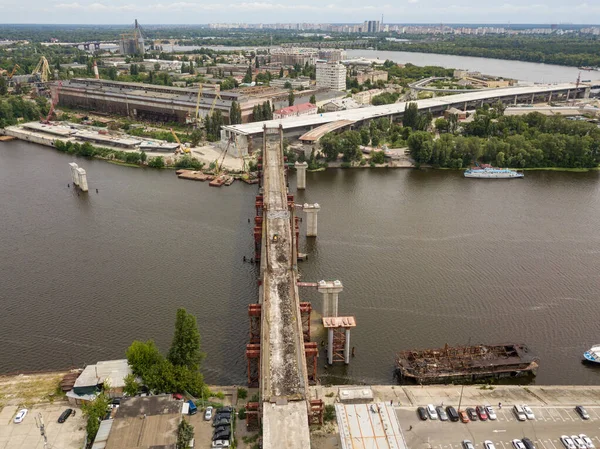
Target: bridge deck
(283, 369)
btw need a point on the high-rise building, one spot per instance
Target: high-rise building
(331, 75)
(371, 26)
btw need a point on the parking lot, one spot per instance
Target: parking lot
(26, 435)
(549, 424)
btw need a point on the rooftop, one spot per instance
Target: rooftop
(113, 371)
(296, 109)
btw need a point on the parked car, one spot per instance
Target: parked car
(581, 411)
(490, 412)
(528, 412)
(431, 411)
(220, 443)
(487, 444)
(482, 413)
(225, 409)
(116, 401)
(441, 413)
(221, 429)
(224, 435)
(464, 417)
(578, 442)
(422, 413)
(472, 414)
(519, 413)
(452, 413)
(221, 422)
(467, 444)
(587, 441)
(528, 443)
(20, 416)
(208, 413)
(518, 444)
(65, 415)
(567, 442)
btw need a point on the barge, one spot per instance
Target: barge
(465, 364)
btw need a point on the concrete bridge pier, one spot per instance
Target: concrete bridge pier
(301, 176)
(311, 218)
(79, 176)
(516, 99)
(74, 174)
(330, 291)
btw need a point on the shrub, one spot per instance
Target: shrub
(329, 413)
(156, 162)
(242, 393)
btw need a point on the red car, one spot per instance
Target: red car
(482, 413)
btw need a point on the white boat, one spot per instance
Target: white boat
(492, 173)
(593, 354)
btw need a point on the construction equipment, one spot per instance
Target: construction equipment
(219, 165)
(53, 104)
(42, 69)
(212, 107)
(182, 148)
(14, 70)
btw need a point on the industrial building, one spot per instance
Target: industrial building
(293, 56)
(332, 55)
(295, 111)
(331, 75)
(295, 83)
(162, 103)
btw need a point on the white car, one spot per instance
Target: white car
(208, 414)
(487, 444)
(20, 416)
(578, 442)
(567, 442)
(220, 443)
(490, 412)
(519, 413)
(518, 444)
(587, 441)
(528, 412)
(432, 412)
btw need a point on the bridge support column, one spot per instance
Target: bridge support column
(550, 98)
(330, 291)
(74, 174)
(532, 98)
(338, 332)
(330, 346)
(465, 106)
(311, 218)
(516, 99)
(83, 185)
(568, 94)
(347, 347)
(301, 175)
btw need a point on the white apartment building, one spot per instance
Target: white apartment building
(331, 75)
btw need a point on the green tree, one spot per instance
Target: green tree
(185, 433)
(350, 146)
(143, 156)
(365, 136)
(131, 385)
(313, 99)
(378, 157)
(94, 411)
(156, 162)
(330, 146)
(291, 98)
(112, 73)
(267, 112)
(420, 144)
(248, 77)
(141, 356)
(185, 348)
(196, 137)
(256, 62)
(442, 125)
(281, 72)
(411, 115)
(3, 86)
(235, 113)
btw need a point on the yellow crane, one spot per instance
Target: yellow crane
(42, 69)
(14, 70)
(196, 118)
(212, 108)
(181, 146)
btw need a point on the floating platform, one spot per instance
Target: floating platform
(465, 364)
(194, 175)
(218, 181)
(7, 138)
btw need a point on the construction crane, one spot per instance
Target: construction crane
(219, 165)
(53, 104)
(212, 108)
(42, 69)
(14, 70)
(182, 147)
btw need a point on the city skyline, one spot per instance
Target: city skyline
(285, 11)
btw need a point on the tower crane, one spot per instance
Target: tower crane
(14, 70)
(42, 69)
(52, 105)
(182, 147)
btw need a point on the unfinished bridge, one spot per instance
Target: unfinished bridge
(281, 359)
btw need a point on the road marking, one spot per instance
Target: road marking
(550, 441)
(540, 442)
(595, 413)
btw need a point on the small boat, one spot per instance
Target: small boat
(492, 173)
(592, 354)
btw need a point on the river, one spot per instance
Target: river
(426, 258)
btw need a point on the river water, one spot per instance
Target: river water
(426, 258)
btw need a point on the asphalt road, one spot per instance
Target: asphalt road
(544, 431)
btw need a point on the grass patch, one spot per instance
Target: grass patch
(330, 395)
(124, 164)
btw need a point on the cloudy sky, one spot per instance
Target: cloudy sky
(269, 11)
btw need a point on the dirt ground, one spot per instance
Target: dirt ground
(28, 389)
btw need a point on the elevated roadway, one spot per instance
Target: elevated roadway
(283, 375)
(243, 135)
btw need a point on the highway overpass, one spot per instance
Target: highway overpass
(248, 137)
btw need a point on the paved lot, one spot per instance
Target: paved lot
(26, 435)
(544, 431)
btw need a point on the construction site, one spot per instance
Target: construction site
(465, 363)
